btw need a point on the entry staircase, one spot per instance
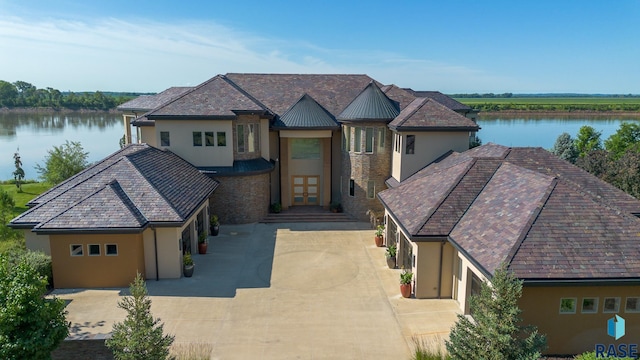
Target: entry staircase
(306, 214)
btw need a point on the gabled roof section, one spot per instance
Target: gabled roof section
(496, 223)
(306, 114)
(425, 114)
(216, 98)
(149, 184)
(443, 99)
(370, 105)
(146, 103)
(280, 91)
(547, 219)
(407, 202)
(401, 96)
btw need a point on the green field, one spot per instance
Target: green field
(564, 104)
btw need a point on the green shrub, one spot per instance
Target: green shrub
(41, 262)
(592, 356)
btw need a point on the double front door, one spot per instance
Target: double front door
(305, 190)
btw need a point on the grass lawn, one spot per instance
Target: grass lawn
(29, 191)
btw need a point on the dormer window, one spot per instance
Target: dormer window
(411, 144)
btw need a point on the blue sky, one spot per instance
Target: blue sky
(451, 46)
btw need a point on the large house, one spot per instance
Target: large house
(238, 143)
(300, 140)
(572, 239)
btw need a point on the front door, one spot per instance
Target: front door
(304, 189)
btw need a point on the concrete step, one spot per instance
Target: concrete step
(285, 217)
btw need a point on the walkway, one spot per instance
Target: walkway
(319, 291)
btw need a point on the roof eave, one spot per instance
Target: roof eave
(434, 128)
(363, 120)
(117, 230)
(582, 282)
(191, 117)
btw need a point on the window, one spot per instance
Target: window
(76, 250)
(305, 148)
(357, 140)
(240, 135)
(371, 189)
(197, 138)
(346, 138)
(352, 187)
(632, 305)
(111, 249)
(368, 142)
(589, 305)
(252, 138)
(94, 250)
(611, 305)
(396, 145)
(164, 138)
(381, 135)
(209, 139)
(222, 138)
(411, 143)
(568, 306)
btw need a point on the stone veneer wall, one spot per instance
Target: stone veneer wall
(363, 167)
(241, 199)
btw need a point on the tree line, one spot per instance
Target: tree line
(615, 160)
(494, 107)
(21, 94)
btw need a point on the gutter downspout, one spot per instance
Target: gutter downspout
(440, 271)
(155, 251)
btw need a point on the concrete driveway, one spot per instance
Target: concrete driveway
(282, 291)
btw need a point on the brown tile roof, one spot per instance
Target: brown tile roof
(400, 95)
(149, 102)
(443, 99)
(278, 92)
(545, 217)
(215, 98)
(150, 185)
(427, 114)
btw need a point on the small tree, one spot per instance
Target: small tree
(62, 162)
(6, 211)
(31, 326)
(18, 175)
(626, 137)
(495, 331)
(588, 139)
(139, 336)
(565, 148)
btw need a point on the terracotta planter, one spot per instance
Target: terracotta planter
(379, 241)
(405, 290)
(391, 262)
(202, 248)
(188, 270)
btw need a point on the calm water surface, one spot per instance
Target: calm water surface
(35, 134)
(99, 133)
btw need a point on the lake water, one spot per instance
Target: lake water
(99, 133)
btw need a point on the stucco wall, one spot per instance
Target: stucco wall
(462, 280)
(148, 135)
(35, 242)
(181, 141)
(428, 147)
(96, 271)
(579, 332)
(241, 199)
(169, 253)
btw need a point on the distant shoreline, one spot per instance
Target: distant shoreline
(47, 110)
(577, 113)
(561, 113)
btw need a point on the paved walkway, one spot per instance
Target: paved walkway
(321, 291)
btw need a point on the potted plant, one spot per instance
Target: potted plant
(335, 207)
(276, 208)
(391, 256)
(202, 243)
(187, 265)
(379, 235)
(214, 225)
(405, 283)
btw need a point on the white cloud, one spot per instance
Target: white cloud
(112, 54)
